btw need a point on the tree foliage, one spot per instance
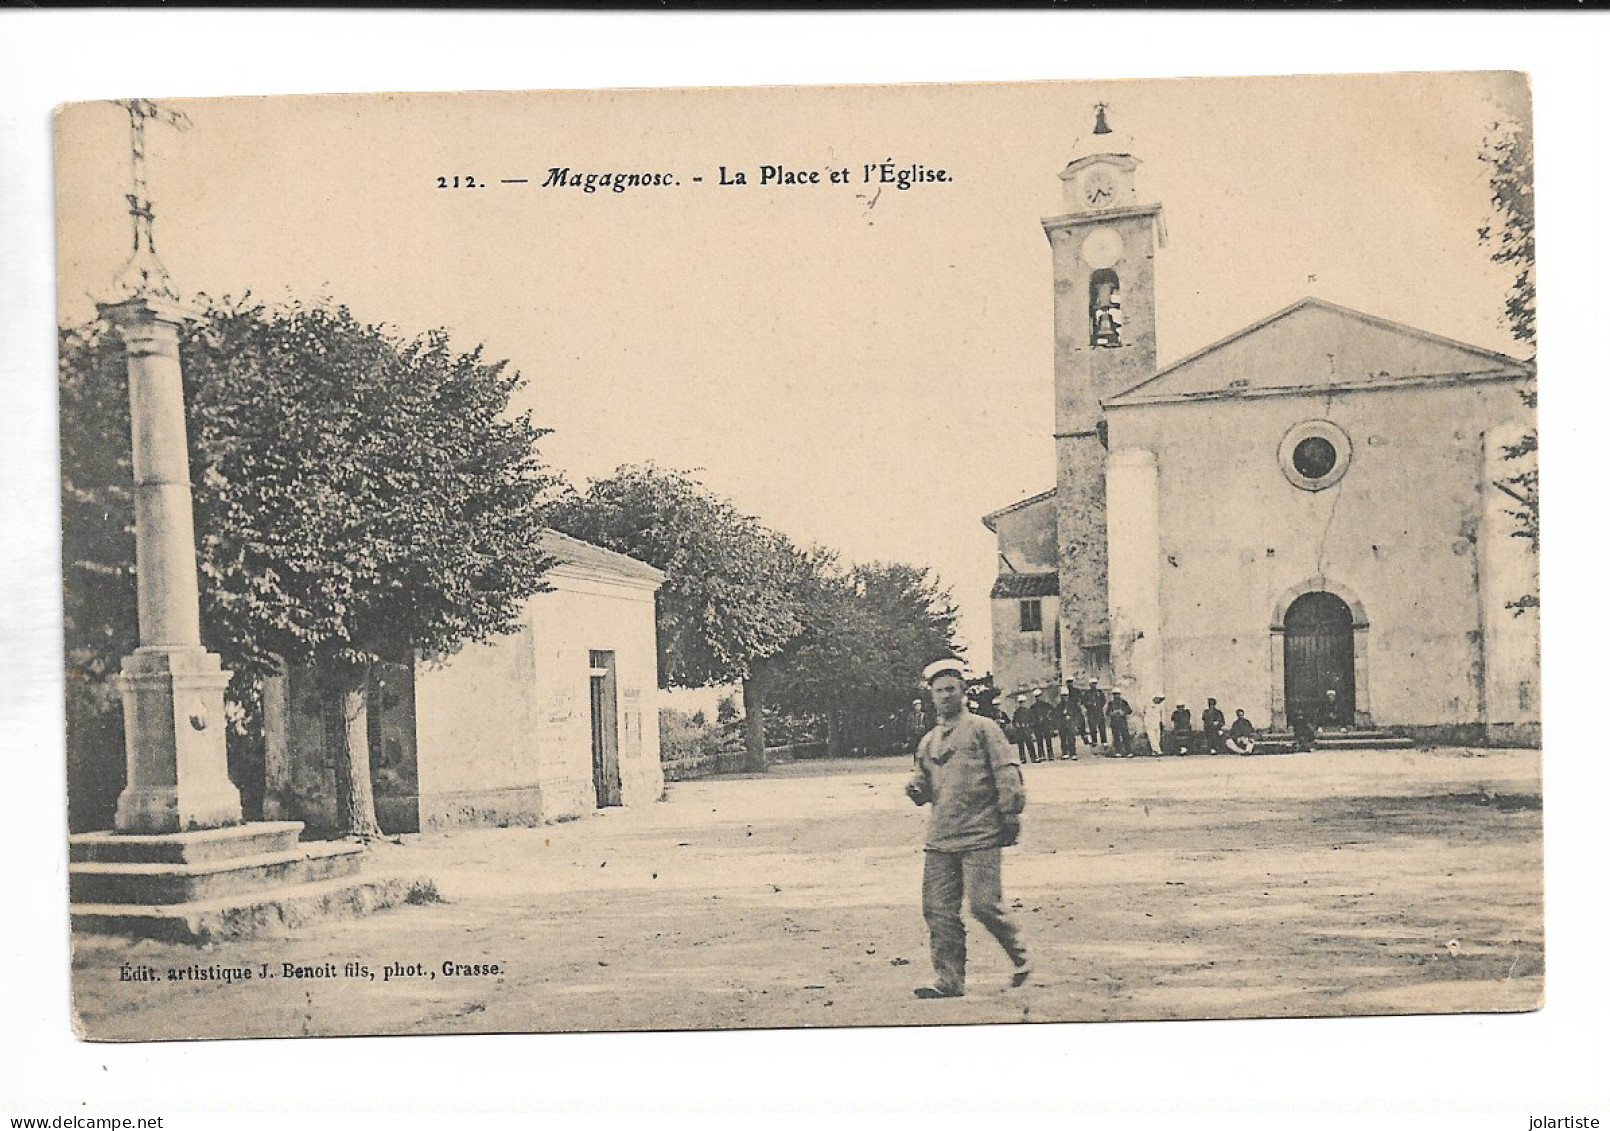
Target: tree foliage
(729, 601)
(870, 631)
(807, 635)
(1508, 152)
(357, 496)
(1511, 235)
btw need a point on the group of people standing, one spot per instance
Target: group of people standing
(1045, 731)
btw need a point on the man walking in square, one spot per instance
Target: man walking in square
(967, 773)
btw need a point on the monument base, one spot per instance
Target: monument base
(173, 720)
(211, 884)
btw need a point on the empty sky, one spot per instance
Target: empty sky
(870, 376)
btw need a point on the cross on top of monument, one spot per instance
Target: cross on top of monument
(144, 276)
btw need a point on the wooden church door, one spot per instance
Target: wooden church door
(1319, 658)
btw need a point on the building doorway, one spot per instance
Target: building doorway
(606, 733)
(1319, 659)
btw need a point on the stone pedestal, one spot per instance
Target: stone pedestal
(217, 884)
(173, 722)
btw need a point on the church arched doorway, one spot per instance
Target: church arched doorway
(1319, 659)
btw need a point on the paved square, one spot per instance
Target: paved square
(1341, 882)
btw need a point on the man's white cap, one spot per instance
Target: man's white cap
(949, 665)
(1038, 692)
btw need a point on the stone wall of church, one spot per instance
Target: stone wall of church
(1509, 570)
(1399, 536)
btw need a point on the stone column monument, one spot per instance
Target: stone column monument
(179, 862)
(172, 687)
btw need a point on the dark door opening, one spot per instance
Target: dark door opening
(606, 733)
(1319, 659)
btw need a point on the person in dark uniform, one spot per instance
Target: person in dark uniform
(1074, 705)
(1180, 733)
(1118, 712)
(1045, 724)
(1067, 728)
(1095, 701)
(1213, 727)
(992, 710)
(918, 722)
(1243, 739)
(1023, 729)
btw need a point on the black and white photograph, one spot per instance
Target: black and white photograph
(800, 557)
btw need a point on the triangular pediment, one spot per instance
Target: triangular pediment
(1314, 344)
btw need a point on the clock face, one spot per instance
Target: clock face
(1102, 248)
(1100, 191)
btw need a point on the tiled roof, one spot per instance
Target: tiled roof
(1018, 585)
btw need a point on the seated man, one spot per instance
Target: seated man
(1243, 739)
(1303, 731)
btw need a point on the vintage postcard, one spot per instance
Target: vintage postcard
(800, 556)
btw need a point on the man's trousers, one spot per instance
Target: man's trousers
(946, 876)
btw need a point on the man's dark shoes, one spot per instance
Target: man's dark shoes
(929, 993)
(1021, 974)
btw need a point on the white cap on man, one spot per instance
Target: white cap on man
(950, 665)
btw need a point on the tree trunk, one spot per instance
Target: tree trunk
(345, 689)
(835, 735)
(754, 726)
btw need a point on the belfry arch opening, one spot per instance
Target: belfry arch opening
(1106, 315)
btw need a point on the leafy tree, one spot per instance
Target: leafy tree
(1508, 152)
(819, 674)
(729, 602)
(357, 498)
(869, 632)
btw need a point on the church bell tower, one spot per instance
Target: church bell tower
(1106, 342)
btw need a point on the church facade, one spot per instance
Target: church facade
(1305, 517)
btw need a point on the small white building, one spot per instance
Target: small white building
(554, 720)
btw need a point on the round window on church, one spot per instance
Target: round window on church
(1315, 454)
(1314, 457)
